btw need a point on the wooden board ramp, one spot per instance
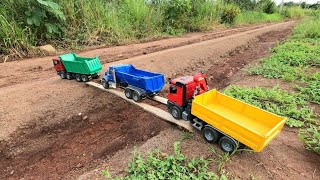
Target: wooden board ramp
(160, 99)
(151, 109)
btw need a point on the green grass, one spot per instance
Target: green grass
(158, 165)
(14, 39)
(292, 60)
(277, 101)
(294, 12)
(253, 17)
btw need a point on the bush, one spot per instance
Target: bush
(176, 14)
(229, 13)
(267, 6)
(294, 12)
(204, 14)
(252, 17)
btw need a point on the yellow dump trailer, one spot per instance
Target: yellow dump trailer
(245, 123)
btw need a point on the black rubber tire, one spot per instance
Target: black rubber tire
(69, 76)
(227, 144)
(128, 93)
(105, 83)
(62, 74)
(96, 76)
(136, 97)
(84, 78)
(78, 77)
(175, 112)
(210, 135)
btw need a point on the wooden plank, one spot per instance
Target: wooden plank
(151, 109)
(160, 99)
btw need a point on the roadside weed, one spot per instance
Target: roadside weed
(311, 137)
(186, 135)
(158, 165)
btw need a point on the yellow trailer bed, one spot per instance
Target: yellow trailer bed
(245, 123)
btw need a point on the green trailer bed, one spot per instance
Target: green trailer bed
(81, 65)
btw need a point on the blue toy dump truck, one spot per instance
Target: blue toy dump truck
(138, 84)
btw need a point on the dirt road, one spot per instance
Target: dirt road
(65, 128)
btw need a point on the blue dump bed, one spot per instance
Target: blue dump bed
(127, 74)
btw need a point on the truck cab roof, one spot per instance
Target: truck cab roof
(184, 80)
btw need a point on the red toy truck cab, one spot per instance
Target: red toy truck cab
(58, 66)
(182, 90)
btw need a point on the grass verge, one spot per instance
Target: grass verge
(253, 17)
(158, 165)
(294, 59)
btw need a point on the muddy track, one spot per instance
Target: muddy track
(53, 140)
(284, 158)
(29, 70)
(78, 142)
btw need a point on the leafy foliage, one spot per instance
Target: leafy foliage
(44, 16)
(311, 137)
(267, 6)
(73, 24)
(311, 91)
(243, 4)
(229, 13)
(176, 13)
(252, 17)
(276, 101)
(292, 59)
(294, 12)
(158, 165)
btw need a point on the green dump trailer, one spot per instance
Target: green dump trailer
(69, 66)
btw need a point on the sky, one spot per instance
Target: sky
(307, 1)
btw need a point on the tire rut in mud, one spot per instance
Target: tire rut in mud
(220, 74)
(77, 143)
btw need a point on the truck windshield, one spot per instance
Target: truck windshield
(173, 90)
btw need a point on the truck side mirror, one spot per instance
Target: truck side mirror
(173, 90)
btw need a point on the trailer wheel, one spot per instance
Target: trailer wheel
(96, 76)
(128, 93)
(105, 83)
(227, 144)
(62, 74)
(210, 134)
(135, 96)
(69, 76)
(175, 112)
(78, 77)
(84, 78)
